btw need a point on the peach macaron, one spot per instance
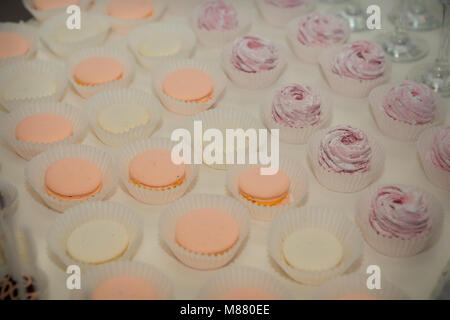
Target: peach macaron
(124, 288)
(44, 128)
(97, 70)
(13, 45)
(130, 9)
(189, 85)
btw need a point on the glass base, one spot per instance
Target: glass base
(418, 19)
(435, 76)
(403, 47)
(355, 15)
(333, 1)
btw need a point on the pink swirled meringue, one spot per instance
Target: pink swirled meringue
(440, 149)
(399, 212)
(345, 149)
(296, 106)
(217, 15)
(320, 29)
(360, 60)
(253, 54)
(410, 102)
(287, 3)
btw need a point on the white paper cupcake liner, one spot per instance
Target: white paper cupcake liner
(331, 220)
(236, 277)
(10, 197)
(28, 32)
(297, 135)
(96, 276)
(99, 25)
(310, 54)
(181, 107)
(41, 15)
(257, 80)
(348, 86)
(63, 226)
(216, 38)
(123, 26)
(177, 209)
(438, 177)
(279, 17)
(356, 285)
(125, 96)
(177, 30)
(397, 247)
(125, 59)
(399, 129)
(230, 117)
(146, 195)
(51, 70)
(28, 150)
(180, 7)
(345, 182)
(297, 189)
(37, 167)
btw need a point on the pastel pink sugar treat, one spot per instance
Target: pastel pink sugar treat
(296, 106)
(399, 212)
(360, 60)
(440, 149)
(287, 3)
(254, 54)
(321, 29)
(53, 4)
(44, 128)
(12, 45)
(245, 293)
(124, 288)
(345, 149)
(217, 15)
(410, 102)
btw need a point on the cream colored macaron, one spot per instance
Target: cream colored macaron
(312, 249)
(118, 118)
(98, 241)
(160, 46)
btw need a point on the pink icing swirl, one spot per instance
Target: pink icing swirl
(440, 150)
(360, 60)
(296, 106)
(399, 212)
(320, 29)
(410, 102)
(345, 149)
(253, 54)
(287, 3)
(217, 15)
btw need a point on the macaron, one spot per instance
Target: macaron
(124, 288)
(160, 46)
(118, 119)
(12, 45)
(97, 241)
(52, 4)
(97, 70)
(73, 179)
(245, 293)
(154, 169)
(207, 231)
(267, 190)
(189, 85)
(130, 9)
(44, 128)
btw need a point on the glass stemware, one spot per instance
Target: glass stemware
(419, 17)
(400, 46)
(437, 75)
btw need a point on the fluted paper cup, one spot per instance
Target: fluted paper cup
(180, 7)
(28, 32)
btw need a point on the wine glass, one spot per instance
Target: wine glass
(437, 75)
(400, 46)
(419, 17)
(351, 11)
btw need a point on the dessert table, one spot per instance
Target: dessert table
(420, 276)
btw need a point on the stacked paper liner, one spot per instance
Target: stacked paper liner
(98, 24)
(279, 17)
(65, 224)
(37, 167)
(236, 277)
(42, 15)
(345, 182)
(297, 135)
(297, 189)
(144, 33)
(10, 198)
(123, 97)
(28, 150)
(51, 70)
(125, 59)
(395, 246)
(96, 276)
(399, 129)
(331, 220)
(438, 177)
(171, 215)
(26, 31)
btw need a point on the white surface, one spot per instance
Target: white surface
(418, 276)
